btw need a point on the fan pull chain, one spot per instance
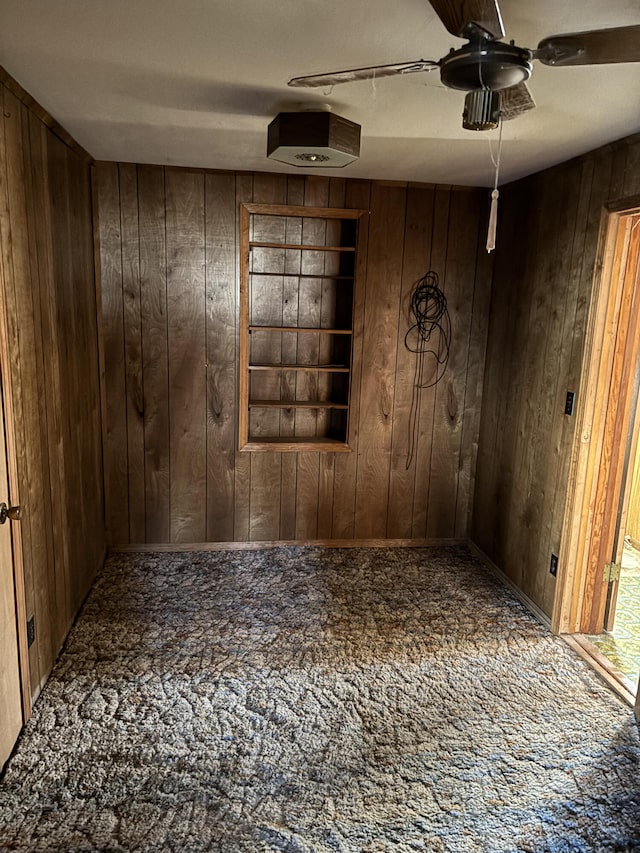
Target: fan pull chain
(493, 221)
(493, 215)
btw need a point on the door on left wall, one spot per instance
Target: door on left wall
(10, 695)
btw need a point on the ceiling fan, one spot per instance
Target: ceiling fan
(492, 72)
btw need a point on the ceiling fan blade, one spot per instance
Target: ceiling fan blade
(515, 101)
(463, 17)
(371, 73)
(594, 47)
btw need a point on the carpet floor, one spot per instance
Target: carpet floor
(309, 700)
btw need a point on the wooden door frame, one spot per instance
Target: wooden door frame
(611, 351)
(7, 367)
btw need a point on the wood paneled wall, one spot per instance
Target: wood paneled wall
(545, 258)
(50, 366)
(169, 282)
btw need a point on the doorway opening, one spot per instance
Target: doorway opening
(593, 587)
(619, 640)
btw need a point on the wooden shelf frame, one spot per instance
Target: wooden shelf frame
(300, 247)
(346, 284)
(302, 276)
(316, 330)
(311, 368)
(296, 404)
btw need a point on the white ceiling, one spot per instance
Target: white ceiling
(196, 82)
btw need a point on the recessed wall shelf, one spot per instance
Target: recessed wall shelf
(297, 294)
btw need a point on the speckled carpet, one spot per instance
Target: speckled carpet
(304, 700)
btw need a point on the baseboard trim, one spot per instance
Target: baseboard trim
(519, 594)
(280, 543)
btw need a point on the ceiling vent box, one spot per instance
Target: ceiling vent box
(313, 139)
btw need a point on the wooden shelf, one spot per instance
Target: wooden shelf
(302, 329)
(296, 404)
(300, 247)
(316, 354)
(296, 444)
(302, 211)
(315, 368)
(303, 275)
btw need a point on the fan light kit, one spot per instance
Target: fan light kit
(481, 110)
(313, 138)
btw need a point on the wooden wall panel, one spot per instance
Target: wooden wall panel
(543, 279)
(155, 351)
(220, 206)
(403, 463)
(115, 418)
(51, 373)
(186, 317)
(241, 496)
(132, 329)
(450, 393)
(379, 346)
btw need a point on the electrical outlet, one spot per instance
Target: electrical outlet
(553, 566)
(569, 403)
(31, 631)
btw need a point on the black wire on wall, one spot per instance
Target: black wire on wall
(429, 337)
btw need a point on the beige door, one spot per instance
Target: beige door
(10, 695)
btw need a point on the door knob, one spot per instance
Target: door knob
(12, 512)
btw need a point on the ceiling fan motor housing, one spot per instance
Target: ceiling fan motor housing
(491, 65)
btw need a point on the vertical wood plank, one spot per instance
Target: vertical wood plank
(493, 480)
(550, 466)
(47, 381)
(383, 290)
(55, 386)
(115, 442)
(220, 206)
(424, 450)
(40, 481)
(187, 353)
(457, 285)
(155, 356)
(66, 277)
(474, 383)
(130, 238)
(406, 431)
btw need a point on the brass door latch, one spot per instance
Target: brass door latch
(12, 512)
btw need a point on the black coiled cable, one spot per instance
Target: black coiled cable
(429, 336)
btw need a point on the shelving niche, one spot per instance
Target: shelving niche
(299, 273)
